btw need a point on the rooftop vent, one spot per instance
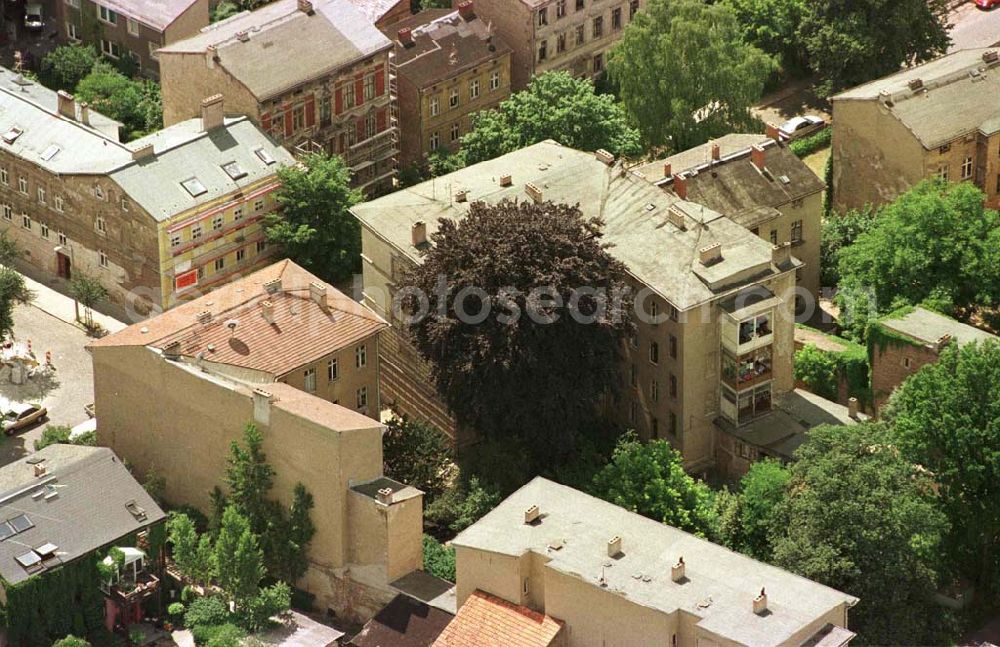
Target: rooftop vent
(533, 192)
(143, 152)
(305, 7)
(943, 341)
(273, 286)
(784, 179)
(506, 180)
(384, 496)
(677, 570)
(66, 104)
(418, 233)
(760, 603)
(915, 84)
(615, 546)
(710, 254)
(604, 156)
(531, 514)
(135, 510)
(243, 35)
(204, 317)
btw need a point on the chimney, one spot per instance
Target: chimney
(466, 10)
(506, 180)
(710, 254)
(211, 56)
(262, 406)
(677, 570)
(172, 350)
(991, 56)
(66, 104)
(267, 311)
(943, 341)
(204, 317)
(317, 292)
(212, 115)
(305, 7)
(384, 496)
(40, 469)
(666, 169)
(531, 514)
(915, 84)
(405, 36)
(852, 408)
(680, 186)
(85, 113)
(418, 233)
(757, 157)
(462, 196)
(142, 152)
(760, 603)
(273, 286)
(772, 132)
(716, 153)
(781, 253)
(533, 192)
(614, 546)
(676, 218)
(604, 156)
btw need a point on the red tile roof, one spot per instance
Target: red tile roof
(302, 331)
(488, 621)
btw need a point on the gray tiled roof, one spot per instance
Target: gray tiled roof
(720, 585)
(692, 157)
(285, 47)
(927, 326)
(158, 14)
(87, 512)
(634, 212)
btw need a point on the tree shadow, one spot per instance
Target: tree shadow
(35, 388)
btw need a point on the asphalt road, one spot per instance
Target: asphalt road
(973, 27)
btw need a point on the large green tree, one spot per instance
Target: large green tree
(555, 106)
(13, 292)
(750, 510)
(686, 74)
(946, 417)
(65, 66)
(313, 224)
(192, 553)
(649, 478)
(136, 104)
(239, 561)
(861, 518)
(773, 25)
(418, 454)
(514, 308)
(850, 42)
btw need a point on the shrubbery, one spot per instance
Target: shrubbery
(439, 560)
(812, 143)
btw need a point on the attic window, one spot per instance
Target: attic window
(28, 560)
(6, 531)
(11, 135)
(47, 550)
(264, 156)
(50, 152)
(194, 186)
(233, 170)
(20, 523)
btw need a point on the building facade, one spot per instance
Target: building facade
(715, 320)
(342, 102)
(449, 66)
(131, 28)
(939, 119)
(152, 219)
(570, 35)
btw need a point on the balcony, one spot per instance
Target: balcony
(129, 591)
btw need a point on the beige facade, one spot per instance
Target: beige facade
(934, 120)
(569, 35)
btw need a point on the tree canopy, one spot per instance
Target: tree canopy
(418, 454)
(946, 417)
(859, 517)
(514, 308)
(313, 224)
(555, 106)
(134, 103)
(761, 489)
(686, 74)
(13, 292)
(64, 67)
(649, 478)
(773, 25)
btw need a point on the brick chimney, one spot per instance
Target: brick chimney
(142, 152)
(772, 131)
(306, 7)
(317, 292)
(666, 169)
(757, 157)
(716, 153)
(680, 186)
(466, 10)
(418, 233)
(531, 515)
(615, 546)
(66, 104)
(852, 408)
(384, 496)
(677, 570)
(212, 115)
(267, 311)
(710, 254)
(262, 406)
(85, 113)
(405, 36)
(604, 156)
(760, 603)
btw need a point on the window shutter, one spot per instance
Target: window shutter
(340, 101)
(265, 122)
(359, 88)
(359, 127)
(379, 82)
(288, 120)
(310, 109)
(380, 121)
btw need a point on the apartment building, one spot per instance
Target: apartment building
(760, 184)
(907, 341)
(315, 76)
(570, 35)
(131, 28)
(383, 13)
(291, 355)
(939, 119)
(153, 220)
(613, 577)
(449, 67)
(714, 344)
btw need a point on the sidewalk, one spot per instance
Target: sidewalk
(60, 306)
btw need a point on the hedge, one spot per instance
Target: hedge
(822, 370)
(812, 143)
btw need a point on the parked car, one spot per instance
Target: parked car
(801, 127)
(21, 415)
(33, 16)
(987, 4)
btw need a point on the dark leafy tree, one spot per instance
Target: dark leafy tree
(289, 563)
(239, 561)
(861, 518)
(418, 454)
(134, 103)
(64, 67)
(461, 506)
(946, 417)
(439, 560)
(762, 488)
(532, 344)
(88, 291)
(193, 554)
(773, 26)
(13, 292)
(685, 73)
(313, 225)
(840, 231)
(223, 10)
(556, 106)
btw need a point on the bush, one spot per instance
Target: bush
(66, 65)
(417, 454)
(439, 560)
(71, 641)
(460, 507)
(218, 635)
(176, 612)
(812, 143)
(271, 601)
(53, 434)
(840, 231)
(209, 610)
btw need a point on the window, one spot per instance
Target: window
(455, 131)
(560, 43)
(258, 205)
(71, 32)
(363, 397)
(220, 264)
(797, 231)
(41, 195)
(435, 106)
(7, 212)
(906, 362)
(942, 172)
(124, 204)
(633, 8)
(196, 232)
(261, 246)
(579, 5)
(3, 176)
(310, 380)
(237, 214)
(998, 183)
(673, 347)
(494, 80)
(616, 18)
(133, 27)
(107, 15)
(774, 236)
(194, 187)
(101, 225)
(98, 193)
(755, 327)
(673, 432)
(654, 427)
(368, 86)
(62, 238)
(361, 356)
(435, 141)
(673, 385)
(579, 34)
(241, 255)
(58, 203)
(453, 98)
(598, 62)
(598, 29)
(216, 223)
(654, 391)
(45, 231)
(102, 258)
(26, 221)
(331, 370)
(632, 412)
(560, 9)
(22, 185)
(111, 48)
(325, 111)
(298, 118)
(175, 240)
(633, 375)
(543, 16)
(654, 352)
(967, 168)
(371, 126)
(543, 50)
(474, 89)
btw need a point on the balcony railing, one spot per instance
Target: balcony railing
(128, 592)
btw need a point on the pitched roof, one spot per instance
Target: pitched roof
(488, 621)
(404, 622)
(635, 212)
(699, 155)
(158, 14)
(720, 584)
(376, 10)
(78, 505)
(928, 327)
(956, 95)
(444, 45)
(303, 330)
(278, 47)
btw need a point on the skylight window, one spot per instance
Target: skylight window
(50, 152)
(233, 170)
(20, 523)
(264, 156)
(28, 559)
(11, 135)
(6, 531)
(194, 186)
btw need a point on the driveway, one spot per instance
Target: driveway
(973, 27)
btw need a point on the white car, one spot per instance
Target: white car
(33, 16)
(801, 127)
